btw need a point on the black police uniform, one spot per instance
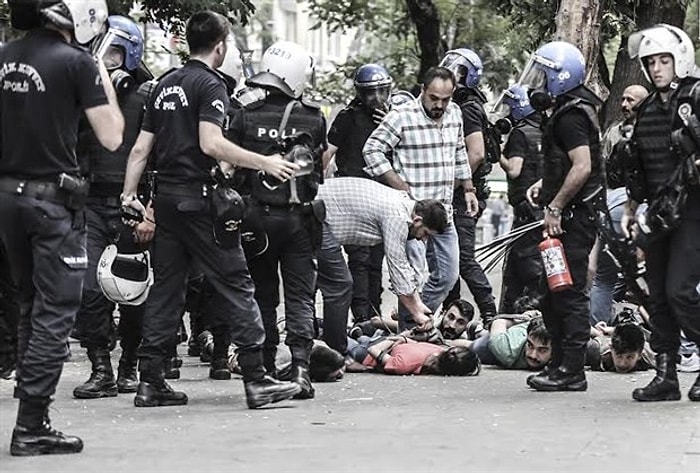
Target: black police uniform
(573, 123)
(288, 226)
(94, 323)
(474, 118)
(672, 260)
(523, 269)
(184, 232)
(349, 132)
(46, 83)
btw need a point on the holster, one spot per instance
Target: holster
(76, 190)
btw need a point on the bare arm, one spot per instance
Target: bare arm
(328, 155)
(476, 150)
(214, 144)
(107, 120)
(138, 157)
(392, 179)
(513, 166)
(578, 174)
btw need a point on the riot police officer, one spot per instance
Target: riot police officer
(522, 162)
(284, 210)
(123, 49)
(665, 144)
(346, 137)
(467, 67)
(183, 127)
(570, 188)
(47, 83)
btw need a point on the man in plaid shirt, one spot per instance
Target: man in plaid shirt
(419, 148)
(363, 212)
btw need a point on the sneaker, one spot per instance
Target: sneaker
(689, 363)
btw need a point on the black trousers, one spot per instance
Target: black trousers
(336, 285)
(673, 272)
(566, 313)
(290, 253)
(365, 263)
(522, 270)
(94, 320)
(46, 251)
(469, 270)
(184, 237)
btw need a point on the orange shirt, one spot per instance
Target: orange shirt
(407, 358)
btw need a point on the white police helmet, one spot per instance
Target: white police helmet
(86, 18)
(663, 39)
(125, 278)
(285, 66)
(232, 65)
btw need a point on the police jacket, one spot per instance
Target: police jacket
(471, 102)
(556, 160)
(656, 122)
(256, 126)
(106, 169)
(531, 170)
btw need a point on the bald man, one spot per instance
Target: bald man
(607, 284)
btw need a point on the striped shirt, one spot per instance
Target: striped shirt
(363, 212)
(426, 154)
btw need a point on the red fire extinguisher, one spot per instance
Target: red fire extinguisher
(555, 265)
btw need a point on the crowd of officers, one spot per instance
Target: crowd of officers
(181, 193)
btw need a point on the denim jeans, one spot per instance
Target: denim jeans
(441, 252)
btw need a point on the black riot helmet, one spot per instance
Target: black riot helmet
(373, 86)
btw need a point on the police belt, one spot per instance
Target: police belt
(268, 209)
(185, 190)
(42, 190)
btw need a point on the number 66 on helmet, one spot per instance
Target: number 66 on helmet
(125, 278)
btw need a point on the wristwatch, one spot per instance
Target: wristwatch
(553, 211)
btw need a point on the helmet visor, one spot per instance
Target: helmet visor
(533, 76)
(375, 97)
(457, 64)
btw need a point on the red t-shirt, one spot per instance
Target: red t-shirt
(407, 358)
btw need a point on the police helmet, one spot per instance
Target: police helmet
(661, 39)
(284, 66)
(466, 65)
(556, 67)
(122, 45)
(86, 18)
(516, 99)
(373, 85)
(125, 278)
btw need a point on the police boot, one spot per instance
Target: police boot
(560, 379)
(206, 344)
(219, 364)
(127, 382)
(554, 363)
(664, 386)
(33, 434)
(694, 393)
(154, 391)
(101, 382)
(171, 368)
(269, 390)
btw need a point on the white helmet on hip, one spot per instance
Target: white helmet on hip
(125, 278)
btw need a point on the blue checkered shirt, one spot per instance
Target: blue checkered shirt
(427, 155)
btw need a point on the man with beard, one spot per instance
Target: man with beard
(426, 141)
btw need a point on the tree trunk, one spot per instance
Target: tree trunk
(578, 22)
(628, 71)
(424, 14)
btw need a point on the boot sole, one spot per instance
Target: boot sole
(576, 387)
(276, 397)
(226, 375)
(140, 401)
(96, 395)
(667, 397)
(127, 390)
(29, 450)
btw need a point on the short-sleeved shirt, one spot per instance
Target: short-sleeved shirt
(407, 358)
(349, 132)
(509, 347)
(516, 146)
(572, 130)
(45, 84)
(428, 156)
(182, 99)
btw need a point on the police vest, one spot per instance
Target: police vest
(556, 160)
(652, 133)
(470, 99)
(261, 135)
(103, 167)
(349, 158)
(531, 171)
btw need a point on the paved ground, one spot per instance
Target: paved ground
(375, 423)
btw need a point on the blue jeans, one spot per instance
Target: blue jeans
(442, 255)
